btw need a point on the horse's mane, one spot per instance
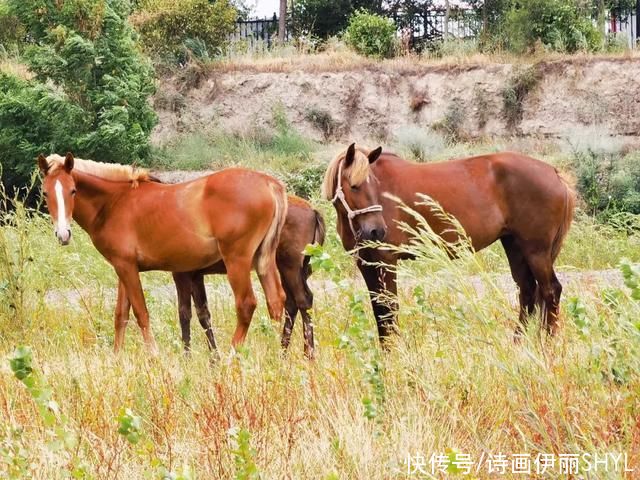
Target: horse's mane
(114, 172)
(357, 173)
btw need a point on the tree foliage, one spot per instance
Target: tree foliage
(561, 25)
(89, 88)
(11, 31)
(165, 25)
(325, 18)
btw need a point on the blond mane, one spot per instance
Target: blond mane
(357, 173)
(108, 171)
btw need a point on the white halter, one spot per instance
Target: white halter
(351, 214)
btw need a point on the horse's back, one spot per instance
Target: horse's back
(490, 195)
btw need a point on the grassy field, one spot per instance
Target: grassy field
(453, 384)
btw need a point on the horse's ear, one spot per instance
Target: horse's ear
(68, 162)
(374, 154)
(351, 154)
(43, 165)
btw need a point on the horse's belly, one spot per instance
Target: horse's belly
(179, 256)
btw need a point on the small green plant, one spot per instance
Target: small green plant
(518, 88)
(129, 425)
(631, 275)
(358, 338)
(371, 35)
(243, 454)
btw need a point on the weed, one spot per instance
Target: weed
(518, 88)
(323, 121)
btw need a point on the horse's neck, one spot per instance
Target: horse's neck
(93, 197)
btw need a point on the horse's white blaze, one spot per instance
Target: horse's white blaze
(62, 224)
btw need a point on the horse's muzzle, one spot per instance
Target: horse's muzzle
(376, 234)
(64, 236)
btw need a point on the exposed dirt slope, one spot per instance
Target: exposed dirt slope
(555, 97)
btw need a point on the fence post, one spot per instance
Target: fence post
(637, 22)
(282, 21)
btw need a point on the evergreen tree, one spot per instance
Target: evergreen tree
(89, 89)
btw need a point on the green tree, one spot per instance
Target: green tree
(325, 18)
(89, 91)
(165, 25)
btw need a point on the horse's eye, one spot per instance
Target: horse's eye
(73, 192)
(355, 187)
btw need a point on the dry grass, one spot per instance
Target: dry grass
(346, 60)
(454, 382)
(13, 67)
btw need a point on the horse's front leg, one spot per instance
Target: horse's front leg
(382, 282)
(121, 317)
(130, 277)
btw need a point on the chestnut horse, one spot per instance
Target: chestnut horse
(510, 197)
(303, 226)
(137, 224)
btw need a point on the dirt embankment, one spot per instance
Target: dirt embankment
(546, 99)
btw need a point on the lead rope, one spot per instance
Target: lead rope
(351, 214)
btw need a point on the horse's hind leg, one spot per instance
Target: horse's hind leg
(290, 312)
(239, 275)
(183, 289)
(549, 288)
(307, 332)
(524, 279)
(299, 298)
(272, 287)
(200, 301)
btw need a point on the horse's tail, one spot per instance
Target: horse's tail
(267, 249)
(567, 217)
(319, 233)
(320, 230)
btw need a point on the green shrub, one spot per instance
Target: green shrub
(11, 30)
(304, 182)
(322, 120)
(559, 24)
(90, 88)
(370, 34)
(419, 143)
(166, 26)
(609, 184)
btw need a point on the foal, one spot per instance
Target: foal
(235, 216)
(303, 226)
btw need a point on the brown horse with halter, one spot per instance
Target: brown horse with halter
(137, 224)
(518, 200)
(303, 226)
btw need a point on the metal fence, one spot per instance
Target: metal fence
(431, 26)
(256, 31)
